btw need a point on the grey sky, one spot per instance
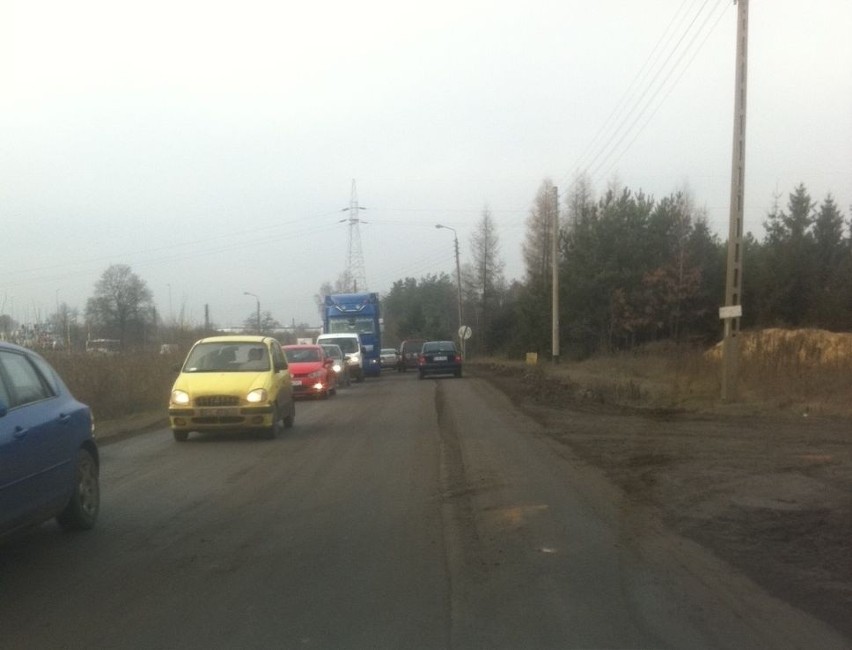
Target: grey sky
(211, 145)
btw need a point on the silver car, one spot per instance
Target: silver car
(388, 358)
(340, 366)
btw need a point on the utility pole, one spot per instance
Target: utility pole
(459, 294)
(458, 285)
(554, 255)
(732, 311)
(249, 293)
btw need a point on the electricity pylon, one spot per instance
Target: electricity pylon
(356, 276)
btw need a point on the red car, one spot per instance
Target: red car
(409, 354)
(311, 371)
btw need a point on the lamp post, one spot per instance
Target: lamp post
(249, 293)
(171, 318)
(458, 281)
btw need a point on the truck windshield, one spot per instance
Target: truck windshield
(346, 343)
(351, 325)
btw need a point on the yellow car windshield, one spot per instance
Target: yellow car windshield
(227, 357)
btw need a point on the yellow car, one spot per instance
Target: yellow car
(233, 383)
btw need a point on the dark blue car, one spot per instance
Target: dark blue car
(49, 462)
(439, 358)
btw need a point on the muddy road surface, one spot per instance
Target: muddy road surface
(398, 514)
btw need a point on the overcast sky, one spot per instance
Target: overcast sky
(212, 145)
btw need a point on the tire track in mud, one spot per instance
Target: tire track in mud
(462, 542)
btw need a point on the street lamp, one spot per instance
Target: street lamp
(171, 318)
(249, 293)
(458, 282)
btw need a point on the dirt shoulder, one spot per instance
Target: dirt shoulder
(108, 431)
(769, 494)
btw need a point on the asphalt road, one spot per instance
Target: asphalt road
(398, 514)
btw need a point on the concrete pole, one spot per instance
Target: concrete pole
(458, 280)
(458, 283)
(734, 276)
(554, 261)
(249, 293)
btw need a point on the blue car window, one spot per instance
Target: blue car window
(4, 393)
(25, 383)
(47, 373)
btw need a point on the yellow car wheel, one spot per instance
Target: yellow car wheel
(272, 432)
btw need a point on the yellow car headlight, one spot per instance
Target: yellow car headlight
(256, 396)
(180, 398)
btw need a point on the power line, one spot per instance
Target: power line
(622, 125)
(637, 132)
(46, 273)
(418, 267)
(628, 93)
(655, 68)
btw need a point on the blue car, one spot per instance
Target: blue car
(439, 358)
(49, 463)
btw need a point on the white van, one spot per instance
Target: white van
(351, 346)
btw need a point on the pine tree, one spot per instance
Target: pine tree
(831, 296)
(789, 262)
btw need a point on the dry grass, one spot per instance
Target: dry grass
(791, 371)
(118, 385)
(805, 371)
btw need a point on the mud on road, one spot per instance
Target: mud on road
(770, 495)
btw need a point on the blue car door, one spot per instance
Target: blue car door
(11, 470)
(35, 462)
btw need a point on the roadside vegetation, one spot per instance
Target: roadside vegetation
(634, 270)
(118, 385)
(640, 284)
(802, 372)
(795, 372)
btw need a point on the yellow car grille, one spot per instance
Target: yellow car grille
(218, 400)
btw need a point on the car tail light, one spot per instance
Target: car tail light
(421, 359)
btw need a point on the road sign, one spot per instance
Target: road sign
(734, 311)
(465, 332)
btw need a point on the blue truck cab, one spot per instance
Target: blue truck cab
(357, 313)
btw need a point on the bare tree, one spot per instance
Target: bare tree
(580, 200)
(319, 298)
(537, 245)
(267, 324)
(487, 269)
(341, 285)
(122, 306)
(64, 324)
